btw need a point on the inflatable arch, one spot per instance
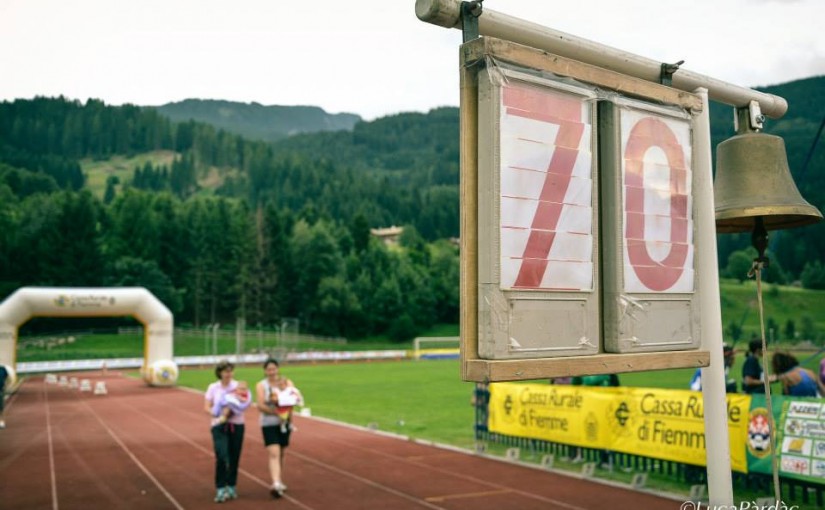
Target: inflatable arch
(158, 326)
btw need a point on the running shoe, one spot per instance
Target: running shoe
(231, 493)
(222, 495)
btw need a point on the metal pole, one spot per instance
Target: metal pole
(717, 445)
(240, 331)
(215, 338)
(447, 13)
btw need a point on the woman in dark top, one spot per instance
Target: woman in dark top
(752, 377)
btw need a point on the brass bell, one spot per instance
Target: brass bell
(753, 181)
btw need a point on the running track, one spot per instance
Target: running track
(149, 448)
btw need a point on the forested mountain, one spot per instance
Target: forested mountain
(258, 122)
(280, 233)
(236, 227)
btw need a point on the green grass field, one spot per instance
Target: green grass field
(424, 399)
(782, 304)
(82, 346)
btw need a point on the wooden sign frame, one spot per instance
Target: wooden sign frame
(472, 55)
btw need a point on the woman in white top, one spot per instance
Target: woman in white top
(276, 438)
(227, 435)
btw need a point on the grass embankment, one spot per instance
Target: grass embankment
(782, 304)
(98, 171)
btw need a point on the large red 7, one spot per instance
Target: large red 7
(565, 112)
(656, 275)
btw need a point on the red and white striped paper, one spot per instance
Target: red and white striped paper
(546, 182)
(657, 203)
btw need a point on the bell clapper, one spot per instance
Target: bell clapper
(759, 240)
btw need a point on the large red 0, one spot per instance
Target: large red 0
(656, 274)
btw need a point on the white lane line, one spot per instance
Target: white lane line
(207, 451)
(458, 475)
(323, 465)
(471, 478)
(51, 447)
(134, 458)
(347, 474)
(367, 481)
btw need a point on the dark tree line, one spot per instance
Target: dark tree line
(212, 259)
(180, 177)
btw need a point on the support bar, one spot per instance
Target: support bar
(447, 13)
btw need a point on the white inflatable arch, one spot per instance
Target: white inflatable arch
(158, 326)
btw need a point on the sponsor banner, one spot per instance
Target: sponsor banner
(656, 423)
(574, 415)
(758, 437)
(91, 300)
(801, 438)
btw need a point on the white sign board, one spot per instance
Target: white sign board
(657, 206)
(650, 289)
(537, 192)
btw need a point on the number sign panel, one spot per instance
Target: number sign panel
(546, 190)
(658, 224)
(649, 279)
(538, 283)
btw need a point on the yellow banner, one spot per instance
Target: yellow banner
(662, 424)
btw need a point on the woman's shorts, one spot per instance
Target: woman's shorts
(273, 435)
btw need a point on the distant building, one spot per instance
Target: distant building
(388, 235)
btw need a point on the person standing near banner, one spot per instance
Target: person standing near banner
(4, 376)
(822, 370)
(753, 376)
(728, 356)
(796, 381)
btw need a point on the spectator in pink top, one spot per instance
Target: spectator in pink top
(227, 432)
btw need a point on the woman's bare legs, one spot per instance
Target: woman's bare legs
(275, 462)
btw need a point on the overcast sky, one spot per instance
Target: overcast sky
(370, 57)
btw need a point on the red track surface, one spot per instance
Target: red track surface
(141, 447)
